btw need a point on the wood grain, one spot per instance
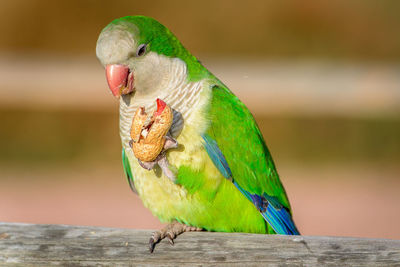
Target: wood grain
(44, 245)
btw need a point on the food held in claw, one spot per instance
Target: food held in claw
(148, 132)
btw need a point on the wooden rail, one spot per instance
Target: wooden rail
(44, 245)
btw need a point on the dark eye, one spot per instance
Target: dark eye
(141, 50)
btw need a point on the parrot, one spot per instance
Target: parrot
(221, 176)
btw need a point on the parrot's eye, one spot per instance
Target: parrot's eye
(141, 50)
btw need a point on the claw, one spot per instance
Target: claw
(164, 165)
(170, 239)
(152, 244)
(147, 165)
(154, 239)
(170, 143)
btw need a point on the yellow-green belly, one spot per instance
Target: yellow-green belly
(202, 197)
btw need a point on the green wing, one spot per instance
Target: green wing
(240, 141)
(127, 170)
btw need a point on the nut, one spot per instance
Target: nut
(148, 133)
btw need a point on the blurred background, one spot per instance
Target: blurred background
(322, 79)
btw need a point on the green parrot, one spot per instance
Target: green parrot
(215, 172)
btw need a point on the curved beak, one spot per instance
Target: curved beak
(119, 79)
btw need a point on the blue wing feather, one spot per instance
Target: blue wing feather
(273, 212)
(216, 156)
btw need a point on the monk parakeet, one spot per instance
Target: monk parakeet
(216, 172)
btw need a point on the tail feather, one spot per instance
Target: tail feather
(278, 217)
(280, 220)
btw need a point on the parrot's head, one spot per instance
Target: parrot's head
(137, 53)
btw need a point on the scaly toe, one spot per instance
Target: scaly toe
(170, 238)
(154, 239)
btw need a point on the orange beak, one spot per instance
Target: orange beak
(119, 79)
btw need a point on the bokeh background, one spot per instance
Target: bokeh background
(322, 79)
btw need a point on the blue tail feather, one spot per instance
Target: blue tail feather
(280, 220)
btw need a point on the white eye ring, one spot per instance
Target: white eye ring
(141, 50)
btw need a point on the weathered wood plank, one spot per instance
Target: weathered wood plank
(43, 245)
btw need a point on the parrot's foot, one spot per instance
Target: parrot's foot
(161, 159)
(171, 231)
